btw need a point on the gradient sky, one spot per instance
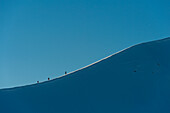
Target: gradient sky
(45, 38)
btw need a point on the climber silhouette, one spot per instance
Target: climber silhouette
(48, 78)
(65, 72)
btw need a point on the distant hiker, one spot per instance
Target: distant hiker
(65, 72)
(37, 81)
(48, 78)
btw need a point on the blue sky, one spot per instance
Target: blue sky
(45, 38)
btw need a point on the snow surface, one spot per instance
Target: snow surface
(135, 80)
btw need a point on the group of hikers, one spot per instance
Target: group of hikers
(49, 78)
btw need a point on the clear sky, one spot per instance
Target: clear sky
(45, 38)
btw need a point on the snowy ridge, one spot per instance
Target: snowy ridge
(134, 80)
(89, 64)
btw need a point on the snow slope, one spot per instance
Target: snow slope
(136, 80)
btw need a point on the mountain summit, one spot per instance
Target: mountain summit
(135, 80)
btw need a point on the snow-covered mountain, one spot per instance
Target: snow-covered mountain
(135, 80)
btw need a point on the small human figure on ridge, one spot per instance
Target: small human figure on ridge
(65, 72)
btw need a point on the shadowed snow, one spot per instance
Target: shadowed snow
(134, 80)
